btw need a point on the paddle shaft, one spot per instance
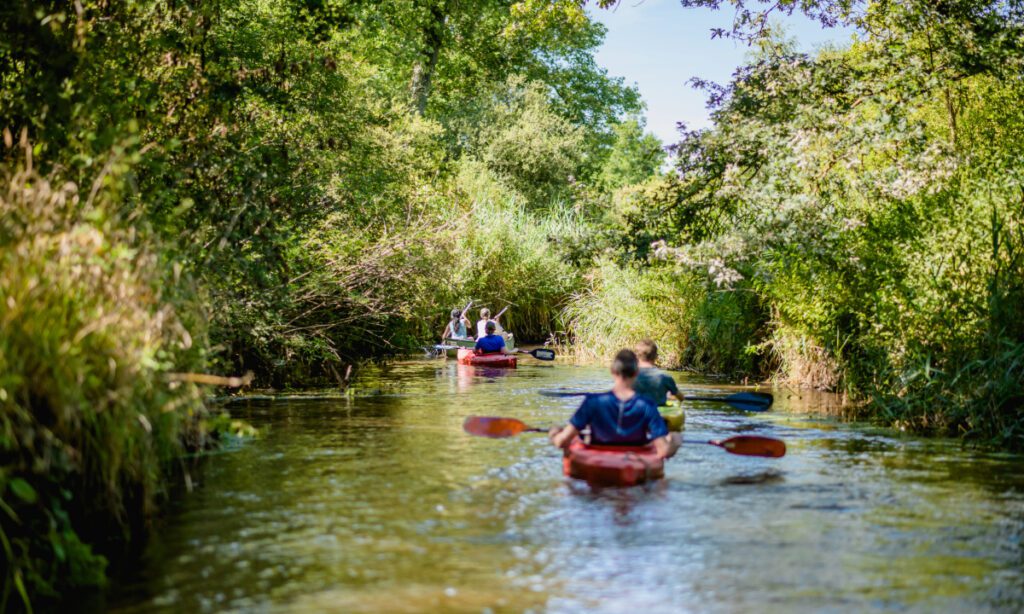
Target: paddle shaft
(744, 445)
(749, 401)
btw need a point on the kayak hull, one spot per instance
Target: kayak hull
(674, 420)
(613, 465)
(504, 361)
(452, 346)
(462, 343)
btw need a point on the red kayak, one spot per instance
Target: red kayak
(613, 465)
(505, 361)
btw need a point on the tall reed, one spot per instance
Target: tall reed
(91, 326)
(695, 326)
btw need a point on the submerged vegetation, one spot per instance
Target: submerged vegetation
(286, 187)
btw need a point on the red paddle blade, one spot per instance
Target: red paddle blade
(485, 426)
(752, 445)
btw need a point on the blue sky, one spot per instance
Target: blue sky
(659, 46)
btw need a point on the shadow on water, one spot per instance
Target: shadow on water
(377, 501)
(769, 476)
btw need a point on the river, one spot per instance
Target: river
(378, 502)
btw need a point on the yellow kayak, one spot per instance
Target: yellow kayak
(674, 418)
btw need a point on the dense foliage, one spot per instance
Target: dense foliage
(288, 186)
(282, 186)
(870, 198)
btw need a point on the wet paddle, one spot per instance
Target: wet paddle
(747, 401)
(744, 445)
(540, 353)
(749, 445)
(491, 426)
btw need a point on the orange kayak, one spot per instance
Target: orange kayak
(505, 361)
(613, 465)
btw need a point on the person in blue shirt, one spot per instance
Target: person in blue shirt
(620, 416)
(491, 343)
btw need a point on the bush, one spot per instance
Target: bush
(694, 326)
(506, 255)
(88, 417)
(529, 146)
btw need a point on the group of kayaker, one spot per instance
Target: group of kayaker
(490, 336)
(628, 413)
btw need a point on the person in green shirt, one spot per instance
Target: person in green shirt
(652, 382)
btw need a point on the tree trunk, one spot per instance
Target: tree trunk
(423, 70)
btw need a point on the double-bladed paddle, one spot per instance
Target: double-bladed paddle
(744, 445)
(540, 353)
(747, 401)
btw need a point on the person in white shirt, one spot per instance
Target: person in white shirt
(481, 326)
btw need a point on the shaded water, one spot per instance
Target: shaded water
(380, 503)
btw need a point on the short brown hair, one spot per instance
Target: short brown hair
(625, 364)
(647, 350)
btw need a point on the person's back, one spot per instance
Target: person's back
(614, 421)
(651, 381)
(490, 343)
(485, 317)
(655, 384)
(619, 417)
(456, 328)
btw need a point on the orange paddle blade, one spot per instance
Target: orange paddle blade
(486, 426)
(752, 445)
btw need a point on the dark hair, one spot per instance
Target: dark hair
(456, 313)
(490, 326)
(647, 350)
(625, 364)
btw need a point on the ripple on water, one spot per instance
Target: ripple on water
(380, 503)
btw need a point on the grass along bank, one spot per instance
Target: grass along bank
(93, 327)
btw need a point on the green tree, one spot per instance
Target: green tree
(635, 156)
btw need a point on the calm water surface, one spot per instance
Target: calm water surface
(380, 503)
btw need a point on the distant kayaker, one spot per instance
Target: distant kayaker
(458, 326)
(491, 343)
(485, 317)
(619, 417)
(652, 382)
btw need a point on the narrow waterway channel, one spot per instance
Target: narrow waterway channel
(380, 503)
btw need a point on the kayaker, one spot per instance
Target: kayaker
(652, 382)
(491, 343)
(458, 326)
(485, 317)
(620, 416)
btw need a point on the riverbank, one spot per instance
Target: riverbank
(288, 190)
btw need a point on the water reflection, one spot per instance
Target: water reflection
(378, 502)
